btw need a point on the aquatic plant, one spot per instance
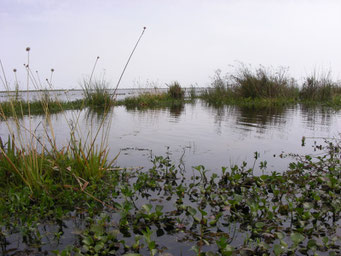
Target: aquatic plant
(175, 91)
(246, 86)
(319, 88)
(33, 159)
(220, 90)
(229, 213)
(96, 94)
(263, 83)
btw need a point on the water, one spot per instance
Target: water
(195, 134)
(67, 95)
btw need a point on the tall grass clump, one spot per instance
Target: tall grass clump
(175, 91)
(146, 99)
(319, 88)
(263, 83)
(31, 156)
(220, 90)
(96, 94)
(156, 98)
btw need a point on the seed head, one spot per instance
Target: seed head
(97, 57)
(28, 49)
(52, 69)
(144, 28)
(14, 70)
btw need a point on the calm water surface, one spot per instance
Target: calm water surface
(197, 134)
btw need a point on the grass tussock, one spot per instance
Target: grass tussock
(319, 88)
(31, 156)
(263, 83)
(175, 91)
(21, 107)
(96, 94)
(264, 86)
(173, 96)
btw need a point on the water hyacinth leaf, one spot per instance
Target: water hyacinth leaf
(260, 224)
(147, 207)
(297, 238)
(246, 252)
(191, 211)
(278, 249)
(307, 205)
(88, 240)
(238, 198)
(203, 213)
(311, 243)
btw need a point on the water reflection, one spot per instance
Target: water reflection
(249, 117)
(98, 114)
(176, 109)
(261, 117)
(320, 117)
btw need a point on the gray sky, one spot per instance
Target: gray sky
(185, 40)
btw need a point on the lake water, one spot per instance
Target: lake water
(193, 134)
(198, 134)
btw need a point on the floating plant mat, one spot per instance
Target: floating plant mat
(160, 212)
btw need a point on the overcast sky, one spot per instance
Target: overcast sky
(185, 40)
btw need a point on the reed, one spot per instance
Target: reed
(31, 157)
(96, 94)
(319, 88)
(175, 91)
(263, 83)
(174, 96)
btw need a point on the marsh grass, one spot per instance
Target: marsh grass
(31, 157)
(263, 83)
(220, 91)
(265, 86)
(21, 108)
(96, 94)
(174, 96)
(175, 91)
(319, 88)
(245, 84)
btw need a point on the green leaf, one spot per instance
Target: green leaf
(87, 240)
(147, 207)
(260, 224)
(297, 237)
(307, 205)
(238, 197)
(158, 208)
(279, 235)
(278, 249)
(191, 210)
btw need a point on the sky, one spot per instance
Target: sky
(185, 41)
